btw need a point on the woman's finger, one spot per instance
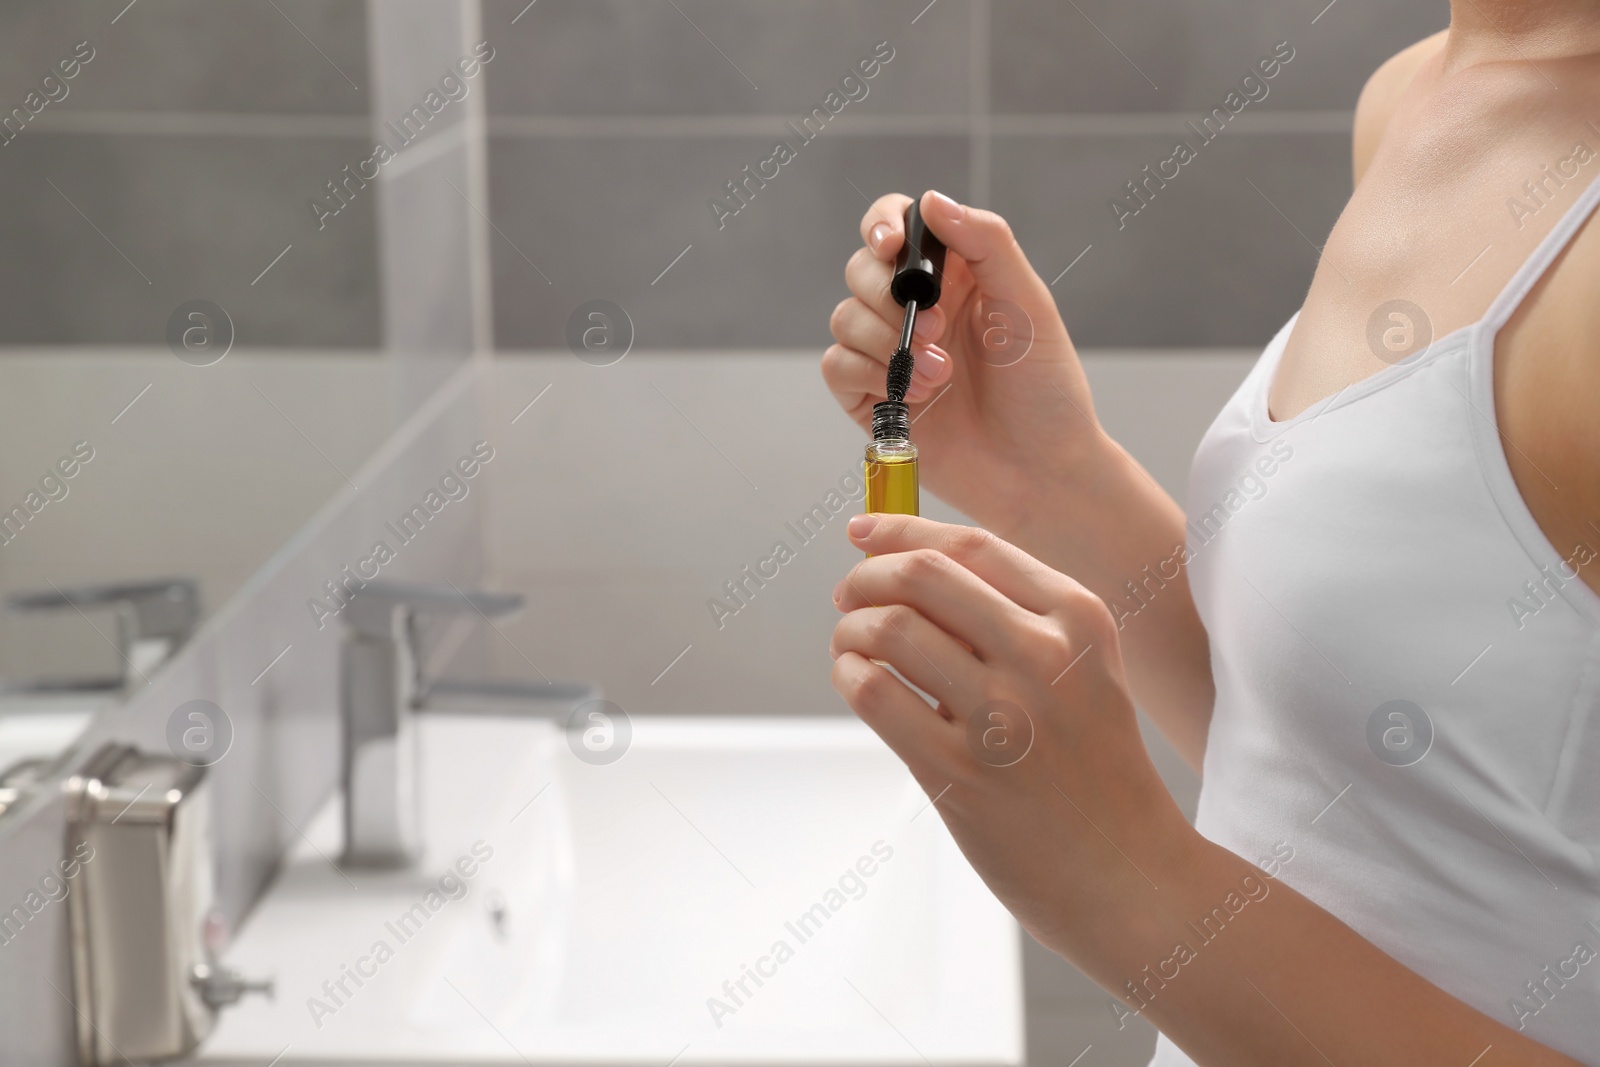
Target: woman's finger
(916, 732)
(857, 380)
(953, 598)
(999, 564)
(854, 379)
(985, 243)
(925, 655)
(869, 280)
(883, 226)
(857, 327)
(855, 324)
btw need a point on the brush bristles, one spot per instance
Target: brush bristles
(900, 367)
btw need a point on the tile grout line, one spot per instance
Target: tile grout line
(979, 166)
(480, 242)
(597, 127)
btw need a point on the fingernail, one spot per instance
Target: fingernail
(877, 234)
(929, 365)
(838, 591)
(926, 326)
(947, 208)
(861, 526)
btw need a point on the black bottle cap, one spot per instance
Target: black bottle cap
(919, 268)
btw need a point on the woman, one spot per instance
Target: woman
(1377, 633)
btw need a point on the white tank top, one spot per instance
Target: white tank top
(1407, 673)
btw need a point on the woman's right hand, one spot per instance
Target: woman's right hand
(1007, 434)
(1008, 413)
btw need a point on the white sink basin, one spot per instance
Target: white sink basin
(621, 909)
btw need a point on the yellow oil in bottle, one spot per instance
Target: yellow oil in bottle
(891, 469)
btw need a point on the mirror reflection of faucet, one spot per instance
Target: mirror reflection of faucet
(381, 689)
(41, 717)
(154, 619)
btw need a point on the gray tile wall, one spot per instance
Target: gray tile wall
(185, 155)
(179, 164)
(614, 121)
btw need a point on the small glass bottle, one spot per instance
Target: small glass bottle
(891, 462)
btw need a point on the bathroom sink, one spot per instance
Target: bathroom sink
(731, 890)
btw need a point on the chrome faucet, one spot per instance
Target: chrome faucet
(380, 688)
(154, 619)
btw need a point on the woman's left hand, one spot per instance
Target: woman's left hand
(1033, 755)
(1034, 759)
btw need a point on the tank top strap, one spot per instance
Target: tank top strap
(1533, 268)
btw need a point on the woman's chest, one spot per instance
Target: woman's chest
(1414, 260)
(1419, 253)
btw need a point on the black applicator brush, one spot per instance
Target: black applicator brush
(915, 286)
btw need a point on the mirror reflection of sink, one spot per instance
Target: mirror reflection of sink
(42, 726)
(730, 890)
(37, 730)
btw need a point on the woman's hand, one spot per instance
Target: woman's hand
(1033, 754)
(1007, 433)
(1013, 415)
(1033, 759)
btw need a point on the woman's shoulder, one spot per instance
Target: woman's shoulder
(1382, 93)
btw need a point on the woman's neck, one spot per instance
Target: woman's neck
(1486, 31)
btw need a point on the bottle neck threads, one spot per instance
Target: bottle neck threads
(891, 420)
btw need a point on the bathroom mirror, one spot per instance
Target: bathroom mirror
(213, 319)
